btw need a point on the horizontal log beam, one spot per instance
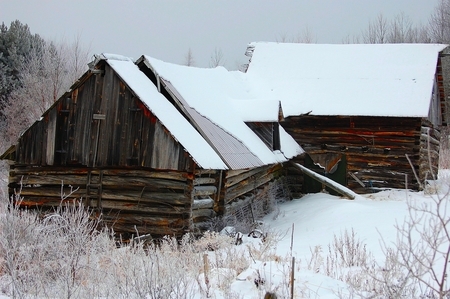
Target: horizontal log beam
(140, 207)
(204, 190)
(147, 197)
(204, 213)
(207, 203)
(204, 181)
(143, 182)
(169, 175)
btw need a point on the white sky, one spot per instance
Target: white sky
(166, 29)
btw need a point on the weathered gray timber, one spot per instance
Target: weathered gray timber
(102, 141)
(123, 138)
(141, 201)
(374, 147)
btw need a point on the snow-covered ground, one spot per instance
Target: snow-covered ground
(311, 223)
(337, 246)
(316, 219)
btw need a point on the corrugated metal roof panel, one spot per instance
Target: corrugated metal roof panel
(233, 152)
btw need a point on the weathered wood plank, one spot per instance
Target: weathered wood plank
(199, 171)
(250, 184)
(169, 198)
(204, 190)
(143, 182)
(53, 179)
(171, 175)
(144, 207)
(25, 170)
(203, 213)
(430, 139)
(206, 203)
(235, 176)
(49, 192)
(204, 181)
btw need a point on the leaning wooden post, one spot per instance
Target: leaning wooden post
(327, 182)
(206, 269)
(292, 238)
(292, 277)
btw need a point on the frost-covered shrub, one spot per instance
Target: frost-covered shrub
(51, 255)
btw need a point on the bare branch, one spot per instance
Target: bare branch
(189, 58)
(216, 58)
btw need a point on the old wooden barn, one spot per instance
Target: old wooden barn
(144, 148)
(367, 115)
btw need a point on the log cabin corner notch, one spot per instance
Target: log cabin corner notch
(373, 105)
(140, 154)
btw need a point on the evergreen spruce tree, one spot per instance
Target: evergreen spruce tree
(16, 44)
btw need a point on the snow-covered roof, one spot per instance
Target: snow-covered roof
(214, 94)
(178, 126)
(342, 79)
(251, 110)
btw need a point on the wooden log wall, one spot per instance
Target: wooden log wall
(131, 201)
(205, 198)
(295, 177)
(101, 124)
(375, 147)
(144, 201)
(218, 193)
(442, 84)
(429, 151)
(238, 183)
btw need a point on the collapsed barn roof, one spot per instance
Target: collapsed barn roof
(219, 103)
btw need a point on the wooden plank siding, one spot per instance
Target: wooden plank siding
(125, 137)
(375, 147)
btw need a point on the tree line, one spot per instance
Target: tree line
(35, 72)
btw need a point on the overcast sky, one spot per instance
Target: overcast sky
(166, 29)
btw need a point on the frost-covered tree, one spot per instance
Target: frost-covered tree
(16, 43)
(400, 29)
(439, 23)
(306, 36)
(189, 58)
(36, 73)
(376, 32)
(216, 58)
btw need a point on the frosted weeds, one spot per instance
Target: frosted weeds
(335, 243)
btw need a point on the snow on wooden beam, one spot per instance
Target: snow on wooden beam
(327, 182)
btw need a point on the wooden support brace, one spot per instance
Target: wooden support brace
(327, 182)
